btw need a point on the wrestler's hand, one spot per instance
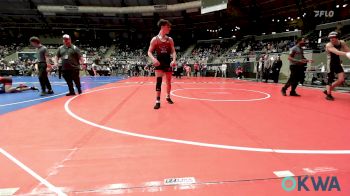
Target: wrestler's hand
(173, 64)
(156, 63)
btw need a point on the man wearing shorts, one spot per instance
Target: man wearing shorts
(335, 48)
(164, 47)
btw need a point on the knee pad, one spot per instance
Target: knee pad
(159, 83)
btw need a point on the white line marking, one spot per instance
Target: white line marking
(32, 173)
(282, 174)
(38, 82)
(54, 83)
(55, 169)
(219, 93)
(45, 191)
(221, 100)
(116, 186)
(8, 191)
(59, 83)
(202, 144)
(153, 186)
(185, 187)
(31, 100)
(319, 170)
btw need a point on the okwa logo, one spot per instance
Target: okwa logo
(311, 183)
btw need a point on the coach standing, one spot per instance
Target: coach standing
(43, 61)
(71, 61)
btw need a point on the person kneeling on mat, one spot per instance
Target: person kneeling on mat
(6, 86)
(164, 46)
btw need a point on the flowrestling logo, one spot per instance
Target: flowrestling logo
(311, 183)
(321, 13)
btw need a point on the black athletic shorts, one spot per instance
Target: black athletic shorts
(166, 68)
(335, 69)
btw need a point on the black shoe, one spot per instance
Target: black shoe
(325, 92)
(284, 92)
(50, 92)
(294, 94)
(329, 97)
(43, 93)
(33, 88)
(169, 101)
(70, 94)
(157, 106)
(80, 91)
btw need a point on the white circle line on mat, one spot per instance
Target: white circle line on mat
(193, 143)
(221, 100)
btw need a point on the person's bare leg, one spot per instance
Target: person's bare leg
(338, 82)
(168, 76)
(24, 88)
(329, 90)
(10, 89)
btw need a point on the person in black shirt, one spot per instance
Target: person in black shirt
(297, 63)
(276, 68)
(43, 61)
(71, 61)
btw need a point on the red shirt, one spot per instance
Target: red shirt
(196, 66)
(5, 80)
(163, 50)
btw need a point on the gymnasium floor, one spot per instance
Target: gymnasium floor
(221, 137)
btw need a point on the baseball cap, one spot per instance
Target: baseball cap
(66, 36)
(34, 39)
(332, 34)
